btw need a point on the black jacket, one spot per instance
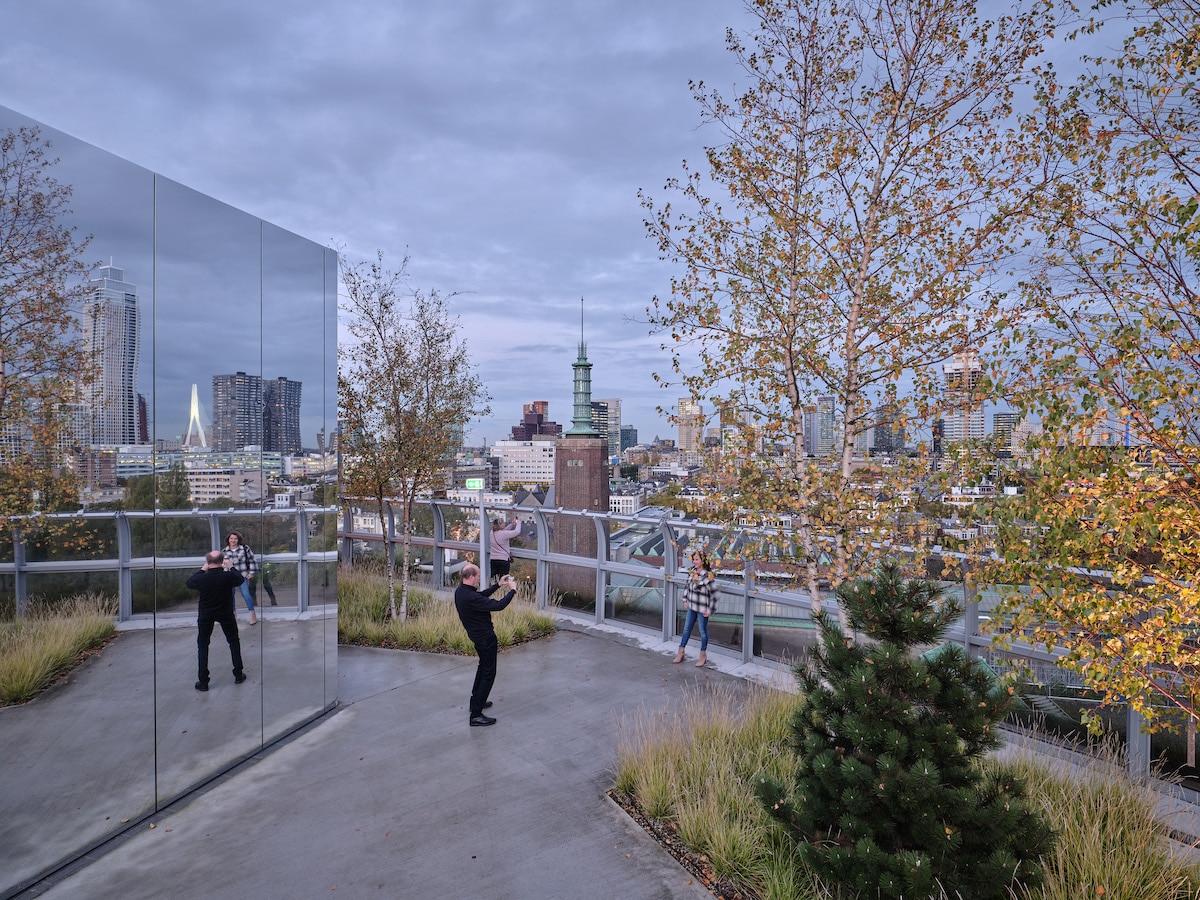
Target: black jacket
(475, 609)
(216, 588)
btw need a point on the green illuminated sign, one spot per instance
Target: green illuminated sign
(474, 484)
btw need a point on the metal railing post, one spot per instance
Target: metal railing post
(670, 565)
(1137, 745)
(602, 549)
(439, 552)
(748, 613)
(302, 573)
(542, 568)
(214, 530)
(347, 552)
(20, 586)
(970, 616)
(125, 572)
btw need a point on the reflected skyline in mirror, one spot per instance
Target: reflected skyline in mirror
(214, 411)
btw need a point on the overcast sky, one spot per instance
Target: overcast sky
(502, 145)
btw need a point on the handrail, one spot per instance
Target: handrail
(125, 563)
(743, 595)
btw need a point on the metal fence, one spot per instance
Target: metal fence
(205, 533)
(631, 575)
(627, 571)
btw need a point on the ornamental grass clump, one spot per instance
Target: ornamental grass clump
(886, 798)
(432, 623)
(49, 641)
(693, 767)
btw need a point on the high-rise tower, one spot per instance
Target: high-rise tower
(691, 424)
(111, 331)
(281, 416)
(613, 405)
(963, 412)
(237, 411)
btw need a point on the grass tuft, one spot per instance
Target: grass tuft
(692, 769)
(432, 624)
(1111, 842)
(48, 642)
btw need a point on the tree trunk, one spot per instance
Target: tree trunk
(388, 566)
(407, 533)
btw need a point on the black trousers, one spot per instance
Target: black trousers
(498, 568)
(204, 625)
(485, 673)
(261, 575)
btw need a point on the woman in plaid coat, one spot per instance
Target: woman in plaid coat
(238, 552)
(699, 599)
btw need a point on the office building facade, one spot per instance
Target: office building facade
(963, 413)
(111, 331)
(237, 411)
(690, 419)
(281, 416)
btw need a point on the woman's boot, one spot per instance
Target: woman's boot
(700, 663)
(678, 656)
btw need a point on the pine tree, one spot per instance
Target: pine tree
(886, 798)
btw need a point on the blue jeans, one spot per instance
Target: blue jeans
(692, 618)
(244, 587)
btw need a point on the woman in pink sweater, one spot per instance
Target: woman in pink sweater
(499, 554)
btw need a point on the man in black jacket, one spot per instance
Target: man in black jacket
(215, 581)
(475, 608)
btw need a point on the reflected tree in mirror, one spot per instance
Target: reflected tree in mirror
(45, 370)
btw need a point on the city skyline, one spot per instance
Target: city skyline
(503, 149)
(507, 169)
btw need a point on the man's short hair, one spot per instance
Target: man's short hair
(214, 557)
(470, 569)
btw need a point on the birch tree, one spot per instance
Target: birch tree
(406, 390)
(1106, 537)
(854, 226)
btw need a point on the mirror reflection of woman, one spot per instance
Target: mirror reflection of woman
(241, 557)
(699, 599)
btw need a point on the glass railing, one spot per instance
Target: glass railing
(625, 571)
(143, 558)
(629, 572)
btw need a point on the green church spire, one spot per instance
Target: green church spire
(581, 423)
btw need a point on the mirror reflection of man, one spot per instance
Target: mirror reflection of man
(216, 582)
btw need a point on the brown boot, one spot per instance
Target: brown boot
(700, 663)
(678, 656)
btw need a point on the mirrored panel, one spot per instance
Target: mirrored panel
(207, 343)
(78, 758)
(326, 494)
(293, 326)
(214, 412)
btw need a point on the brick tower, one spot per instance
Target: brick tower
(580, 479)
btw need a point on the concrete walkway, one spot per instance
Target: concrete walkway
(393, 795)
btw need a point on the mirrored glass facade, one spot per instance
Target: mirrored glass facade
(185, 295)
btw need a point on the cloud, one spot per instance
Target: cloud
(502, 144)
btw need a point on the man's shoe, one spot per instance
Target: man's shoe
(482, 720)
(487, 704)
(202, 685)
(239, 677)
